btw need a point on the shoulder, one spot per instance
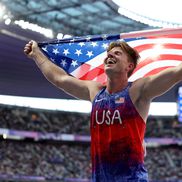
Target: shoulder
(139, 83)
(136, 89)
(138, 97)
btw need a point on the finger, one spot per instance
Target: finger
(27, 50)
(31, 42)
(28, 46)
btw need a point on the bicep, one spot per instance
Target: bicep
(160, 83)
(77, 88)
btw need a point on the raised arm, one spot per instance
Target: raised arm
(80, 89)
(158, 84)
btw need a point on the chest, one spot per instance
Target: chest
(109, 109)
(110, 101)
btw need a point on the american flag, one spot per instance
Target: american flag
(82, 57)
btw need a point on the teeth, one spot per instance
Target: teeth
(111, 61)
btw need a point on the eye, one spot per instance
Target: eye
(118, 53)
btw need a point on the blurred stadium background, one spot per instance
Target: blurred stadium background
(52, 145)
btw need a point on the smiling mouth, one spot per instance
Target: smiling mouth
(110, 61)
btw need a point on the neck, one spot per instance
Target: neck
(116, 84)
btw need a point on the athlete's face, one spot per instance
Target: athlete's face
(117, 61)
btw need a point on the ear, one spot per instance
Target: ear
(131, 66)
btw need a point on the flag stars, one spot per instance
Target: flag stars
(66, 52)
(63, 62)
(81, 44)
(89, 53)
(94, 44)
(74, 63)
(104, 37)
(78, 52)
(45, 49)
(55, 51)
(105, 45)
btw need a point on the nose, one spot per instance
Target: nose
(110, 55)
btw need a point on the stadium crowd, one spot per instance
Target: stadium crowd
(21, 118)
(49, 160)
(72, 160)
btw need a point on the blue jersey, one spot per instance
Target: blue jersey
(117, 135)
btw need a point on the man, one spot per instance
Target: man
(119, 111)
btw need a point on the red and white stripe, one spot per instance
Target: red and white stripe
(160, 50)
(156, 54)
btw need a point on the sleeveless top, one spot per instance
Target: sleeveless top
(117, 136)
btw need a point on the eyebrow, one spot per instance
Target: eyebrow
(118, 51)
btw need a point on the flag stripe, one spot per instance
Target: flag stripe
(166, 46)
(92, 74)
(161, 58)
(155, 41)
(157, 70)
(151, 66)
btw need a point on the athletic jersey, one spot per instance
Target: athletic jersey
(117, 135)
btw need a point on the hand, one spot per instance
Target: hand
(31, 48)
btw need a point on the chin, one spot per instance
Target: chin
(108, 70)
(109, 67)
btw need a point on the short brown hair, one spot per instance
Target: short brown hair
(132, 54)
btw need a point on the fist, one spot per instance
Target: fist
(30, 48)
